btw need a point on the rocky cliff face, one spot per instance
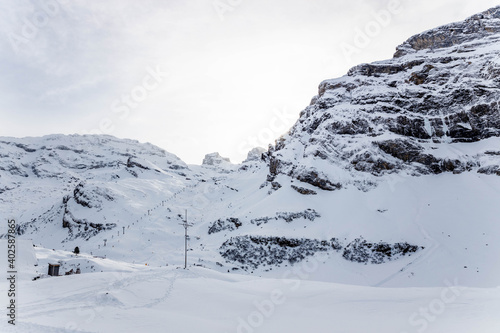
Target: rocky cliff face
(478, 26)
(418, 113)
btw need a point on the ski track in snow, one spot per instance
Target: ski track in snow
(420, 258)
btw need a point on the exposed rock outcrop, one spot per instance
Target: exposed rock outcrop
(257, 251)
(359, 250)
(442, 88)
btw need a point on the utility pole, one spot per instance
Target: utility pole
(186, 225)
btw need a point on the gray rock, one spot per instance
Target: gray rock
(214, 159)
(441, 88)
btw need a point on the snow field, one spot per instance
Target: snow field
(199, 300)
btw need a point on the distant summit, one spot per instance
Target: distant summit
(255, 154)
(214, 159)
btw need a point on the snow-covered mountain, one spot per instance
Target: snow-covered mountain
(76, 181)
(433, 108)
(390, 176)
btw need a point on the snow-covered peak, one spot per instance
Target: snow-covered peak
(393, 116)
(476, 28)
(59, 155)
(214, 159)
(255, 154)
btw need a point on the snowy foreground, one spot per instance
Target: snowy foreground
(136, 298)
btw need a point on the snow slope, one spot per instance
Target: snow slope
(201, 300)
(450, 217)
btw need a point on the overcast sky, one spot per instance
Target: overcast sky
(192, 77)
